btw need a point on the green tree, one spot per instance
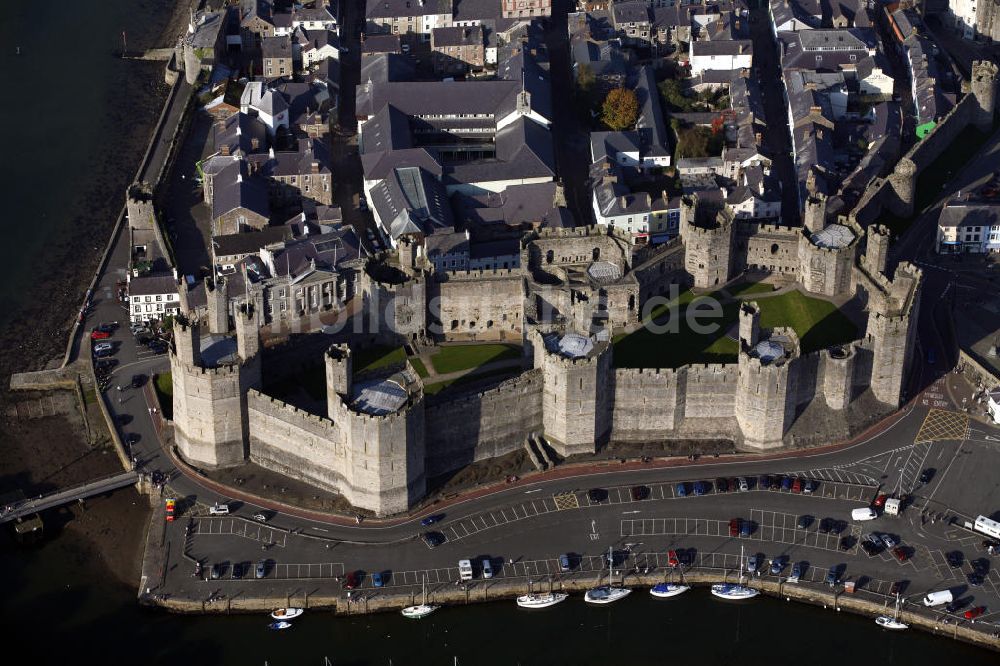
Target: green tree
(620, 109)
(673, 96)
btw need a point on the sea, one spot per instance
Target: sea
(68, 117)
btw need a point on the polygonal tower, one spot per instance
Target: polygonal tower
(707, 234)
(578, 390)
(903, 180)
(891, 332)
(984, 88)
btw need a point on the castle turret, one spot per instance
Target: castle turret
(707, 234)
(339, 371)
(891, 333)
(247, 333)
(826, 259)
(984, 88)
(218, 306)
(765, 389)
(876, 255)
(904, 183)
(187, 341)
(749, 324)
(578, 391)
(815, 215)
(838, 375)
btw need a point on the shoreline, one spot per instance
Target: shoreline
(505, 590)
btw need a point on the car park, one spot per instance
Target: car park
(681, 489)
(433, 539)
(261, 569)
(734, 527)
(721, 485)
(743, 485)
(672, 560)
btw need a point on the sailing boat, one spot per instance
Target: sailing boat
(423, 610)
(665, 590)
(540, 600)
(605, 594)
(893, 622)
(735, 592)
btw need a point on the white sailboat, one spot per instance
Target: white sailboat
(735, 592)
(606, 594)
(423, 610)
(893, 622)
(666, 590)
(541, 599)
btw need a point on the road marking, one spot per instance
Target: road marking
(536, 490)
(566, 501)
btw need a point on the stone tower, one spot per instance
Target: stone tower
(187, 341)
(218, 306)
(815, 216)
(339, 370)
(904, 184)
(984, 88)
(876, 257)
(765, 387)
(749, 324)
(707, 234)
(838, 365)
(577, 398)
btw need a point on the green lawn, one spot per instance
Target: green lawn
(748, 288)
(418, 365)
(463, 357)
(374, 358)
(818, 323)
(164, 384)
(498, 374)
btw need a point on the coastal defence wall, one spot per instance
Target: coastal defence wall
(483, 425)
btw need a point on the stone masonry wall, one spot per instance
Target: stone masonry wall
(485, 309)
(646, 407)
(710, 391)
(483, 425)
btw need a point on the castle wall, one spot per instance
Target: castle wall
(485, 308)
(646, 404)
(710, 391)
(483, 425)
(766, 247)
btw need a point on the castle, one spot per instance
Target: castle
(382, 438)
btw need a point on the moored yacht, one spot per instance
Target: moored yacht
(541, 599)
(665, 590)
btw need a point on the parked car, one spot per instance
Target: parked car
(980, 565)
(99, 335)
(681, 489)
(107, 326)
(261, 570)
(764, 481)
(900, 553)
(260, 517)
(974, 579)
(377, 579)
(846, 542)
(880, 501)
(873, 537)
(734, 527)
(639, 493)
(833, 576)
(927, 475)
(804, 521)
(157, 346)
(797, 486)
(824, 525)
(889, 542)
(837, 526)
(786, 483)
(746, 527)
(430, 520)
(870, 548)
(743, 485)
(216, 571)
(777, 564)
(103, 347)
(565, 563)
(699, 488)
(672, 560)
(796, 574)
(809, 487)
(138, 381)
(237, 571)
(597, 495)
(352, 580)
(433, 539)
(721, 485)
(487, 568)
(955, 558)
(753, 563)
(896, 588)
(219, 509)
(973, 613)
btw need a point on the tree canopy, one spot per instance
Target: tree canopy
(620, 109)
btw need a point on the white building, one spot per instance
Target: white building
(963, 13)
(725, 55)
(993, 404)
(153, 297)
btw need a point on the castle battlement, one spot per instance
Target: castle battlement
(228, 370)
(291, 410)
(480, 274)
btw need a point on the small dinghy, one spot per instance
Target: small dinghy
(287, 613)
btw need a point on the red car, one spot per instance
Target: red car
(797, 486)
(99, 335)
(900, 554)
(734, 527)
(880, 501)
(973, 613)
(352, 581)
(672, 560)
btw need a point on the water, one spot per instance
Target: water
(74, 120)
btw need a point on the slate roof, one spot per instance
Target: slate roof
(379, 44)
(476, 10)
(249, 242)
(152, 285)
(411, 200)
(963, 214)
(457, 36)
(393, 8)
(235, 188)
(241, 132)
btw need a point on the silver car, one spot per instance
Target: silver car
(889, 542)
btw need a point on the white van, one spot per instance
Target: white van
(864, 513)
(219, 510)
(465, 569)
(938, 598)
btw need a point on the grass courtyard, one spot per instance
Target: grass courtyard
(463, 357)
(818, 324)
